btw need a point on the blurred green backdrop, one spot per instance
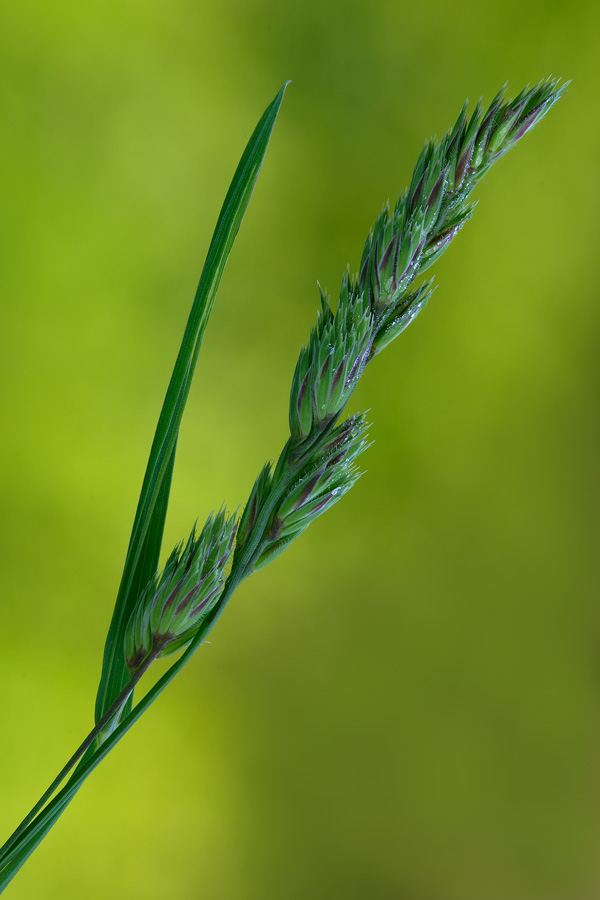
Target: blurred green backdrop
(407, 704)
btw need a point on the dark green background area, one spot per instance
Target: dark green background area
(406, 705)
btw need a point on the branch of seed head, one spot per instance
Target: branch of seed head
(304, 491)
(427, 216)
(174, 604)
(316, 466)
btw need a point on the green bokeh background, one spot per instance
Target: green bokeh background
(407, 704)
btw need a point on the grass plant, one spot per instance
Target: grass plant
(173, 611)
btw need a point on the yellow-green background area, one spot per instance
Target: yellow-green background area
(406, 705)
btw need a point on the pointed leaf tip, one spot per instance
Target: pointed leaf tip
(146, 537)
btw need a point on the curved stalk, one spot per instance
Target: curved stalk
(83, 747)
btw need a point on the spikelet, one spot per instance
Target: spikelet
(330, 365)
(171, 608)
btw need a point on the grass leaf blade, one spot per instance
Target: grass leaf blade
(144, 546)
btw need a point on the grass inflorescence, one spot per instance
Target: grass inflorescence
(159, 613)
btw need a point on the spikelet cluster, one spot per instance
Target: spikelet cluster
(171, 608)
(329, 367)
(434, 208)
(327, 475)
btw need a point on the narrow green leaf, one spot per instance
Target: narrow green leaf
(144, 545)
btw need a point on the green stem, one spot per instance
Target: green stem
(89, 740)
(39, 827)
